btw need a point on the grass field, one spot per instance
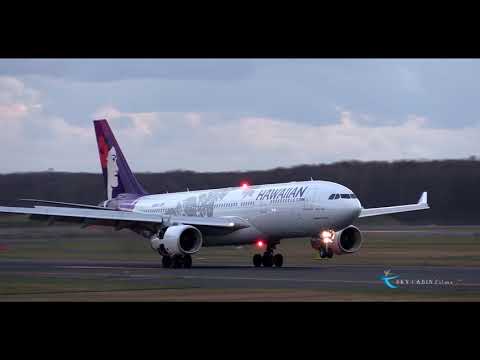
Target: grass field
(455, 246)
(21, 239)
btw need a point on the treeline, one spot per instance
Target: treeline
(453, 185)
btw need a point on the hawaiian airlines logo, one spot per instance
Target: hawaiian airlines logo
(112, 171)
(282, 193)
(103, 150)
(388, 276)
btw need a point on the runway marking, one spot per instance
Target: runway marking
(428, 232)
(92, 267)
(303, 280)
(170, 276)
(108, 267)
(156, 273)
(293, 267)
(275, 279)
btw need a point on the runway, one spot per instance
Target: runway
(324, 276)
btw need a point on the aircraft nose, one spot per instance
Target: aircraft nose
(357, 207)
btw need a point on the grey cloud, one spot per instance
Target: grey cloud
(308, 91)
(97, 70)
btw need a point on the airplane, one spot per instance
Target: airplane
(178, 225)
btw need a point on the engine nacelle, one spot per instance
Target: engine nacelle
(178, 240)
(346, 241)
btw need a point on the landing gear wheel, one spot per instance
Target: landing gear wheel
(187, 262)
(177, 262)
(257, 260)
(278, 260)
(267, 260)
(329, 253)
(322, 253)
(166, 261)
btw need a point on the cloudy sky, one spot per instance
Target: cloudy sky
(214, 115)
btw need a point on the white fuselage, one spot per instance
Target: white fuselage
(274, 211)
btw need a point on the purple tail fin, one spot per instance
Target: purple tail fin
(116, 172)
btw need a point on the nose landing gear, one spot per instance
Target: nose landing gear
(177, 261)
(325, 252)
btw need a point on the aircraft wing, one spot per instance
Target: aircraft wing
(120, 219)
(420, 205)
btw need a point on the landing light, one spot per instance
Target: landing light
(327, 236)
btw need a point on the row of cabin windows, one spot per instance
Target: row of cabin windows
(155, 210)
(343, 196)
(224, 205)
(282, 201)
(247, 203)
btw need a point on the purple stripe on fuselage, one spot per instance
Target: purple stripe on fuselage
(125, 202)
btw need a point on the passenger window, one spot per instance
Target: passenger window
(337, 196)
(331, 197)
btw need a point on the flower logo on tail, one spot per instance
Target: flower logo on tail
(103, 150)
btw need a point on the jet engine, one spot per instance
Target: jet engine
(345, 241)
(178, 240)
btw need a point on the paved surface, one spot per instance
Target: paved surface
(325, 275)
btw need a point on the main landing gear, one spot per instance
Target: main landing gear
(268, 259)
(177, 261)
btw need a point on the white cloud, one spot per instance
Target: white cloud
(33, 140)
(16, 100)
(63, 130)
(12, 111)
(107, 112)
(142, 123)
(194, 119)
(183, 140)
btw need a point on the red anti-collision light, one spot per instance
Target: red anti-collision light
(244, 185)
(259, 243)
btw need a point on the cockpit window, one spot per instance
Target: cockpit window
(331, 197)
(345, 196)
(353, 196)
(337, 196)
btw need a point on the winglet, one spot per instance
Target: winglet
(423, 198)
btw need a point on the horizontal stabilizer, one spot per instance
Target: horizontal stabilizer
(86, 206)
